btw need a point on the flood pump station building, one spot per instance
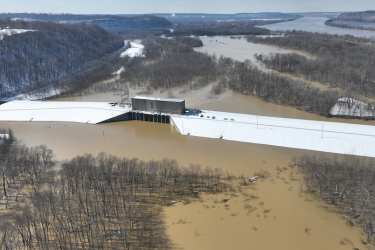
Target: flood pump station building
(158, 105)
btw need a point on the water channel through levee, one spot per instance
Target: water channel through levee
(141, 116)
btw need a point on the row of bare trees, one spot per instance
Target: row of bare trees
(347, 183)
(221, 28)
(101, 202)
(248, 79)
(21, 165)
(340, 61)
(170, 63)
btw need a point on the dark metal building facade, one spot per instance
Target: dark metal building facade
(158, 105)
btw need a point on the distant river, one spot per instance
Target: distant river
(317, 24)
(239, 48)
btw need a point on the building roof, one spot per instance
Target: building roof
(159, 99)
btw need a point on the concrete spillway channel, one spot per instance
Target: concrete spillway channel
(141, 116)
(331, 137)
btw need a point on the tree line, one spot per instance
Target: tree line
(346, 183)
(248, 79)
(170, 63)
(226, 28)
(92, 202)
(341, 61)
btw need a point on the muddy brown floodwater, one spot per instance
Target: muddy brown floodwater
(274, 213)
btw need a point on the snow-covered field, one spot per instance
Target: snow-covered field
(80, 112)
(10, 32)
(135, 49)
(340, 138)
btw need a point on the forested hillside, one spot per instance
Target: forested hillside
(123, 24)
(358, 20)
(44, 57)
(364, 16)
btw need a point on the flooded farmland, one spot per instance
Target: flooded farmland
(239, 48)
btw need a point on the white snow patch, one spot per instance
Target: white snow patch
(133, 49)
(4, 136)
(271, 36)
(23, 19)
(340, 138)
(37, 94)
(10, 32)
(166, 37)
(119, 71)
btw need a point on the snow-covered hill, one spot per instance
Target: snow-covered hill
(41, 55)
(10, 32)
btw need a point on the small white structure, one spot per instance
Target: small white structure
(10, 32)
(350, 107)
(4, 136)
(119, 71)
(135, 49)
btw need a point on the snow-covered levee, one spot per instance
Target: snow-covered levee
(46, 111)
(330, 137)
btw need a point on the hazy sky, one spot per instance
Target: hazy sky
(211, 6)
